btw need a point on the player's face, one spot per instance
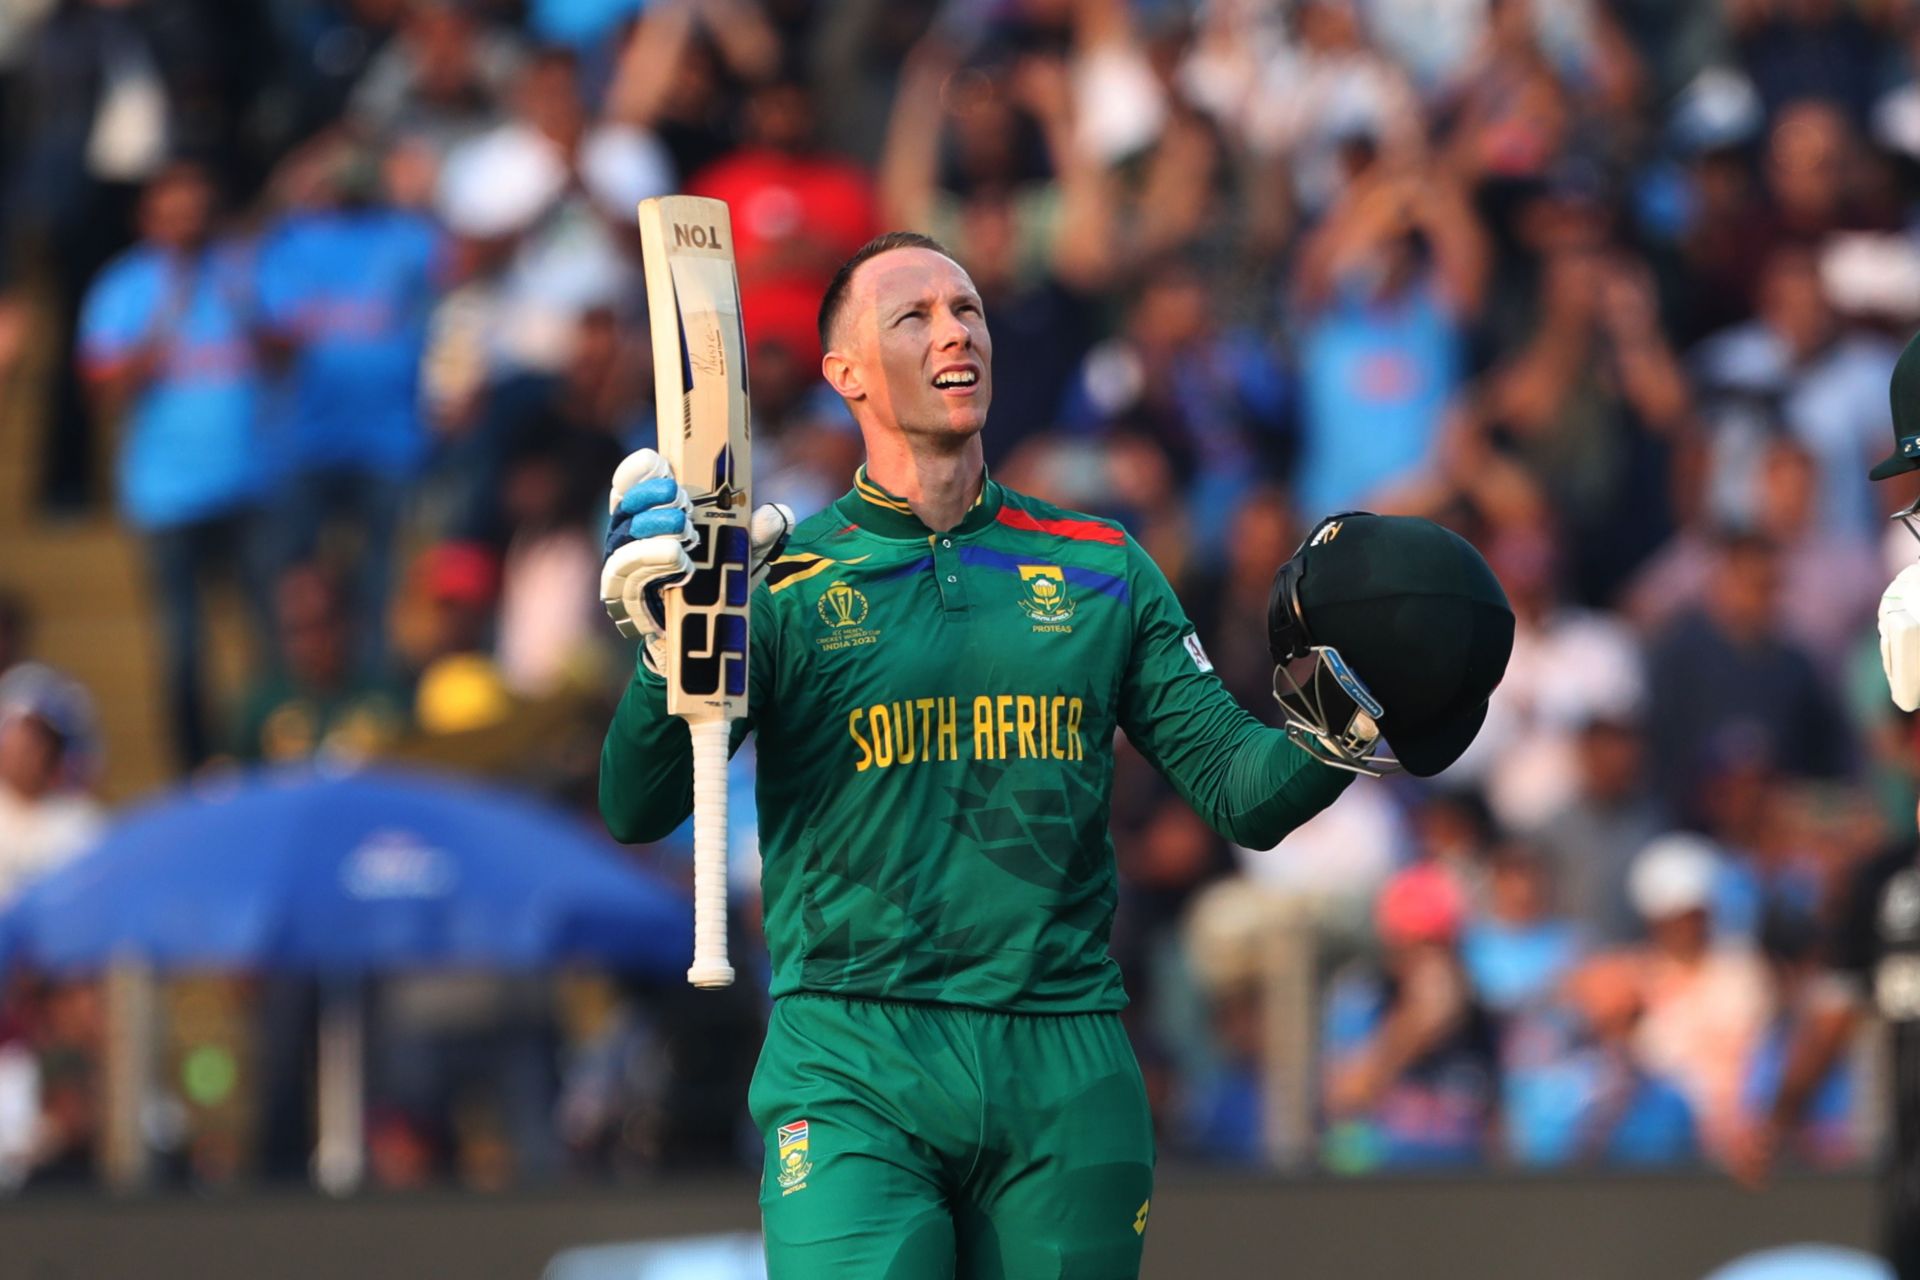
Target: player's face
(918, 343)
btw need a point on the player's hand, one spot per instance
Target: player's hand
(646, 553)
(1900, 637)
(647, 546)
(771, 523)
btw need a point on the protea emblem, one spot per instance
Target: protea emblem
(1045, 598)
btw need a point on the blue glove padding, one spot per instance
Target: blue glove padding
(648, 510)
(648, 537)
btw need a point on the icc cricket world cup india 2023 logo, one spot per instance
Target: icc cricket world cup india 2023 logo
(844, 609)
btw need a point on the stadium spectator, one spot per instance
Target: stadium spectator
(1456, 831)
(1569, 665)
(167, 340)
(1797, 365)
(551, 624)
(1306, 95)
(1829, 579)
(1411, 1054)
(797, 212)
(1386, 286)
(1576, 1088)
(585, 413)
(1724, 666)
(100, 108)
(1707, 999)
(1213, 400)
(1823, 1130)
(1594, 836)
(1589, 405)
(47, 745)
(69, 1043)
(1795, 52)
(443, 77)
(1039, 250)
(1518, 949)
(319, 701)
(544, 206)
(345, 289)
(458, 686)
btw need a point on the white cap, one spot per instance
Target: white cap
(501, 182)
(1674, 874)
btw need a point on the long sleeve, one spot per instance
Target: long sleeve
(646, 762)
(1247, 781)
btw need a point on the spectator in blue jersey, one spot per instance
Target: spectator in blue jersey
(1517, 950)
(1388, 281)
(1576, 1090)
(346, 287)
(166, 347)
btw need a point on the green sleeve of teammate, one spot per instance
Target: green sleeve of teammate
(646, 763)
(1247, 781)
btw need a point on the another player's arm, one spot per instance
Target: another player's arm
(1247, 781)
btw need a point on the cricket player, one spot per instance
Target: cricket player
(1873, 952)
(938, 668)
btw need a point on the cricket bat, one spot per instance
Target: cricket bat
(700, 394)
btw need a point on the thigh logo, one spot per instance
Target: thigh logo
(794, 1164)
(1140, 1219)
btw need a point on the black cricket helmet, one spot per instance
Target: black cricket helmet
(1903, 395)
(1409, 633)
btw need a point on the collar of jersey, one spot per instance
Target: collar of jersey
(888, 515)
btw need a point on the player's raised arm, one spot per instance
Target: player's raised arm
(1245, 780)
(1407, 631)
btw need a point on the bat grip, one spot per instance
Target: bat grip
(711, 967)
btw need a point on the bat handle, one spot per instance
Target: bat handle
(711, 967)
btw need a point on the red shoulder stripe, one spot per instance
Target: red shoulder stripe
(1079, 530)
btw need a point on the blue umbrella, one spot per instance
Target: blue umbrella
(346, 873)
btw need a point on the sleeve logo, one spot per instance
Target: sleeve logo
(1194, 651)
(794, 1162)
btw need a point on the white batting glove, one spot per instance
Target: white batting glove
(647, 548)
(1900, 637)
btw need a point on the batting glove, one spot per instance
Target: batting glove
(1900, 637)
(647, 547)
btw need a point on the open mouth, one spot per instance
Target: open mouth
(957, 381)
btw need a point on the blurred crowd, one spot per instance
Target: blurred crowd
(344, 307)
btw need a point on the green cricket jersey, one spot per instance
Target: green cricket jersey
(935, 716)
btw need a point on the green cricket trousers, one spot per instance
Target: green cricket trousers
(926, 1141)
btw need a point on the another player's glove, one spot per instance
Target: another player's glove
(647, 544)
(1900, 637)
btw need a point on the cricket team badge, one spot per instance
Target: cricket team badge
(794, 1164)
(1044, 597)
(844, 608)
